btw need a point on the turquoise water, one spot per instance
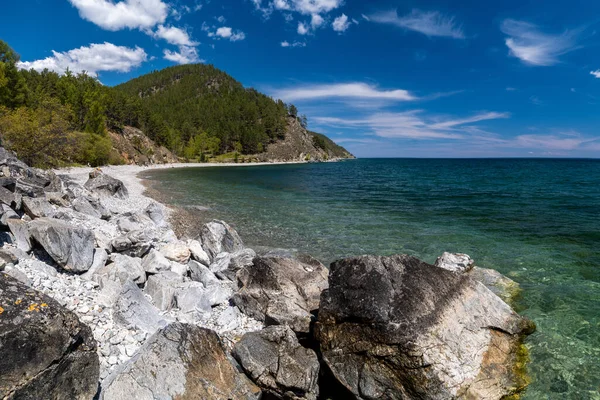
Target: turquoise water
(537, 221)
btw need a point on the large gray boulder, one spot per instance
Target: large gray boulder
(20, 231)
(226, 265)
(179, 362)
(154, 262)
(37, 207)
(162, 288)
(274, 360)
(218, 237)
(71, 247)
(281, 291)
(396, 328)
(133, 309)
(105, 185)
(134, 243)
(46, 352)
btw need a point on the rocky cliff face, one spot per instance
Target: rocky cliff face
(134, 147)
(302, 145)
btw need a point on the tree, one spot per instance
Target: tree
(293, 111)
(304, 121)
(13, 91)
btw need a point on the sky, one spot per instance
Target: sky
(384, 78)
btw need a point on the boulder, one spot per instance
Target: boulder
(162, 288)
(156, 213)
(198, 252)
(192, 299)
(179, 362)
(57, 198)
(37, 207)
(154, 262)
(71, 247)
(46, 352)
(131, 221)
(8, 213)
(20, 232)
(201, 273)
(100, 259)
(123, 268)
(104, 185)
(281, 291)
(9, 198)
(396, 328)
(133, 309)
(226, 265)
(500, 285)
(278, 364)
(134, 243)
(82, 205)
(218, 237)
(178, 252)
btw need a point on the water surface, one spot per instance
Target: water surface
(537, 221)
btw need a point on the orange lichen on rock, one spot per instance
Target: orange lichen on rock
(1, 310)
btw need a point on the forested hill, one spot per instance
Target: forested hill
(194, 112)
(206, 111)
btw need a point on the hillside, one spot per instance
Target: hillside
(210, 113)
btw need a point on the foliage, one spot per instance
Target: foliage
(195, 99)
(328, 145)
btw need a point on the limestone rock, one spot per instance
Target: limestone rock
(154, 262)
(455, 262)
(134, 243)
(198, 252)
(277, 363)
(100, 259)
(20, 232)
(218, 237)
(201, 273)
(124, 268)
(71, 247)
(396, 328)
(46, 352)
(226, 265)
(132, 308)
(37, 207)
(162, 288)
(178, 252)
(179, 362)
(192, 299)
(281, 291)
(104, 185)
(500, 285)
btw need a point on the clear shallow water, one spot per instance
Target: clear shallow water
(537, 221)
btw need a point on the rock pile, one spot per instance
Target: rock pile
(128, 310)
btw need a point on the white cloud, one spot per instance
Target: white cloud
(566, 141)
(173, 35)
(527, 43)
(302, 29)
(94, 58)
(341, 23)
(596, 73)
(132, 14)
(305, 7)
(429, 23)
(316, 21)
(185, 55)
(226, 32)
(221, 19)
(293, 44)
(343, 90)
(366, 18)
(413, 125)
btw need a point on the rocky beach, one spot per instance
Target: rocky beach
(100, 297)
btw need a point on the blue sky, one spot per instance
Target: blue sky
(383, 78)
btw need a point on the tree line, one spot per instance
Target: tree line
(196, 111)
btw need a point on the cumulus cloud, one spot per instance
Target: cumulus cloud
(226, 32)
(316, 21)
(173, 35)
(414, 125)
(343, 90)
(341, 23)
(185, 55)
(293, 44)
(302, 28)
(533, 47)
(92, 59)
(596, 73)
(131, 14)
(429, 23)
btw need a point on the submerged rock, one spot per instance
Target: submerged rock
(281, 291)
(46, 352)
(277, 363)
(179, 362)
(396, 327)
